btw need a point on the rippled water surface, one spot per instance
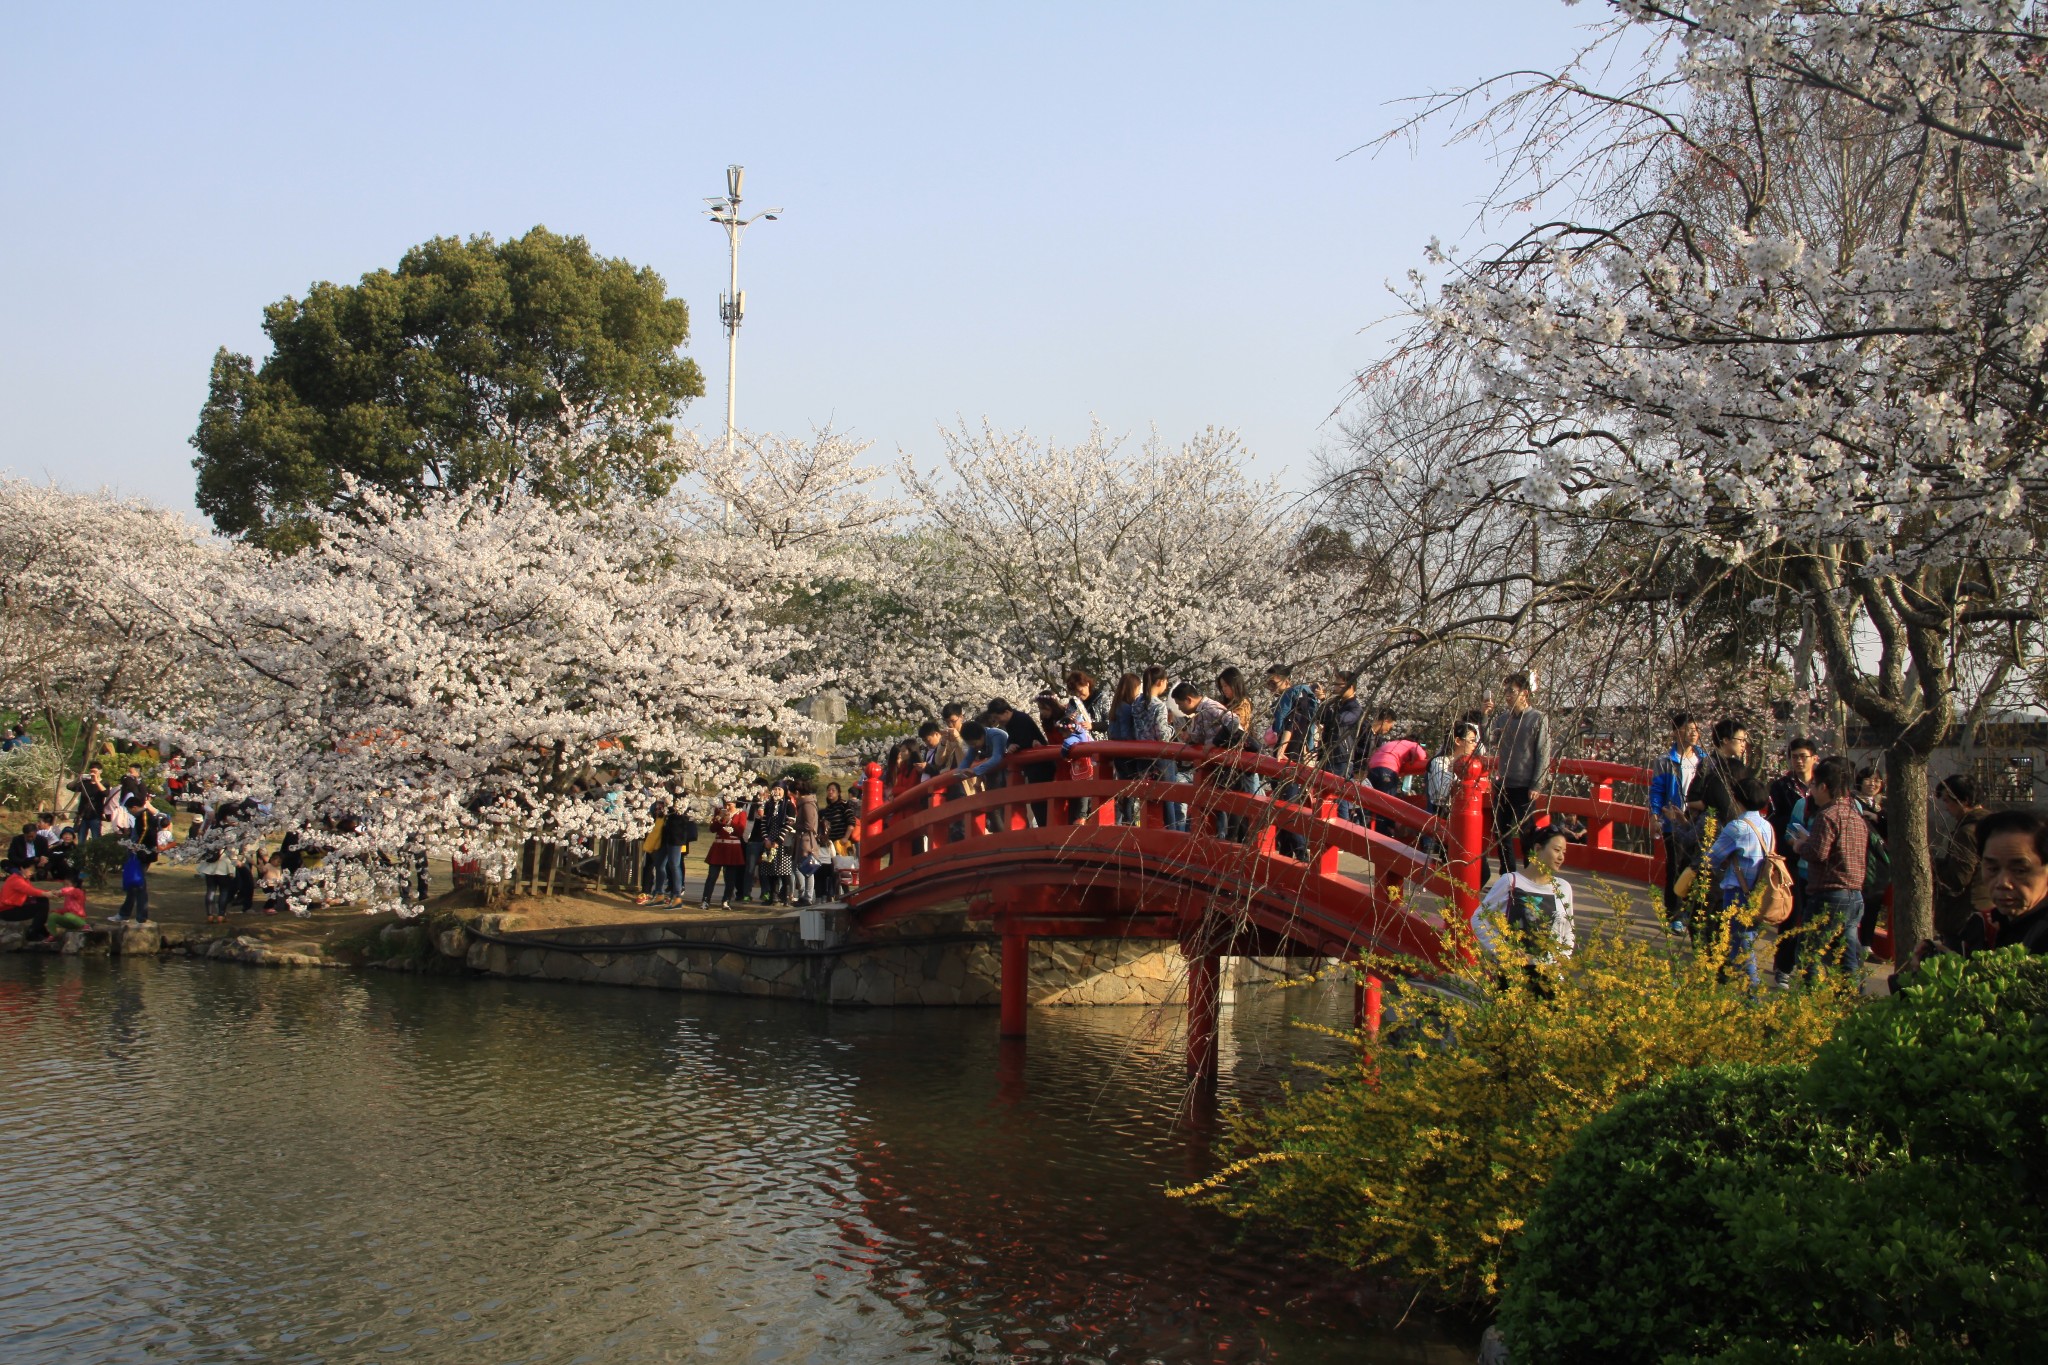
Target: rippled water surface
(211, 1163)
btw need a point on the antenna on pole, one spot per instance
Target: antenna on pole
(732, 305)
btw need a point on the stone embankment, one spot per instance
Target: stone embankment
(153, 940)
(935, 959)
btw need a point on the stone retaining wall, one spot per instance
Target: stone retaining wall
(898, 967)
(152, 940)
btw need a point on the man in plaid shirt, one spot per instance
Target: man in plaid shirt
(1835, 846)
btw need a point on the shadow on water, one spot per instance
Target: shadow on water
(213, 1163)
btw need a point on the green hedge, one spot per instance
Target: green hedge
(1888, 1201)
(1626, 1259)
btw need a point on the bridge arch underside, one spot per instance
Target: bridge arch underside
(1112, 881)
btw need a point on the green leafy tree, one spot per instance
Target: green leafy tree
(532, 362)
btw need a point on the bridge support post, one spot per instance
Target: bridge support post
(1205, 997)
(1016, 983)
(1366, 1005)
(1600, 830)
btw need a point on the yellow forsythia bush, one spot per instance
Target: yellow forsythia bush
(1424, 1161)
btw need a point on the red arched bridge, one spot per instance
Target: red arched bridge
(1048, 859)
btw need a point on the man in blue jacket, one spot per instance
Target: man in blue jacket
(1670, 779)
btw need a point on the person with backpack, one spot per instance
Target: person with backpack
(678, 832)
(1293, 742)
(1743, 858)
(1341, 719)
(1835, 848)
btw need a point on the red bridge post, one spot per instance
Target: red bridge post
(1599, 829)
(1325, 859)
(1468, 836)
(1016, 983)
(1366, 1005)
(871, 798)
(1205, 998)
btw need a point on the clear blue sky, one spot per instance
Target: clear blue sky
(1034, 213)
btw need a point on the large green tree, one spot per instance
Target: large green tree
(529, 363)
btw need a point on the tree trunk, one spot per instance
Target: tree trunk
(1912, 859)
(89, 737)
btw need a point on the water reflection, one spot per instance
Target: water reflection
(213, 1163)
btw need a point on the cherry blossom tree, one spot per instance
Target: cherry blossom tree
(85, 579)
(1027, 558)
(474, 673)
(1785, 304)
(813, 495)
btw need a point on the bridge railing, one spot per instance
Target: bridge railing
(1259, 798)
(1602, 814)
(1254, 799)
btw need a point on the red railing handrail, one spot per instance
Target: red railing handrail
(1305, 775)
(1322, 831)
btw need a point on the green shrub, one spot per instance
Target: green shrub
(1893, 1202)
(29, 774)
(1946, 1241)
(1627, 1258)
(1425, 1161)
(101, 858)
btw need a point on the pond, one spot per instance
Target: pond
(214, 1163)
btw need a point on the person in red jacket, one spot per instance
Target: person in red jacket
(728, 851)
(21, 902)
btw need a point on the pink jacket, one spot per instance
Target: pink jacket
(1403, 756)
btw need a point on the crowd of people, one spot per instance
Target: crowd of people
(781, 845)
(48, 853)
(245, 877)
(1318, 725)
(1813, 834)
(1826, 823)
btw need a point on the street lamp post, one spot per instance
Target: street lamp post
(732, 306)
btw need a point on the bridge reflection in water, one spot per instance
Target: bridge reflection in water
(1203, 866)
